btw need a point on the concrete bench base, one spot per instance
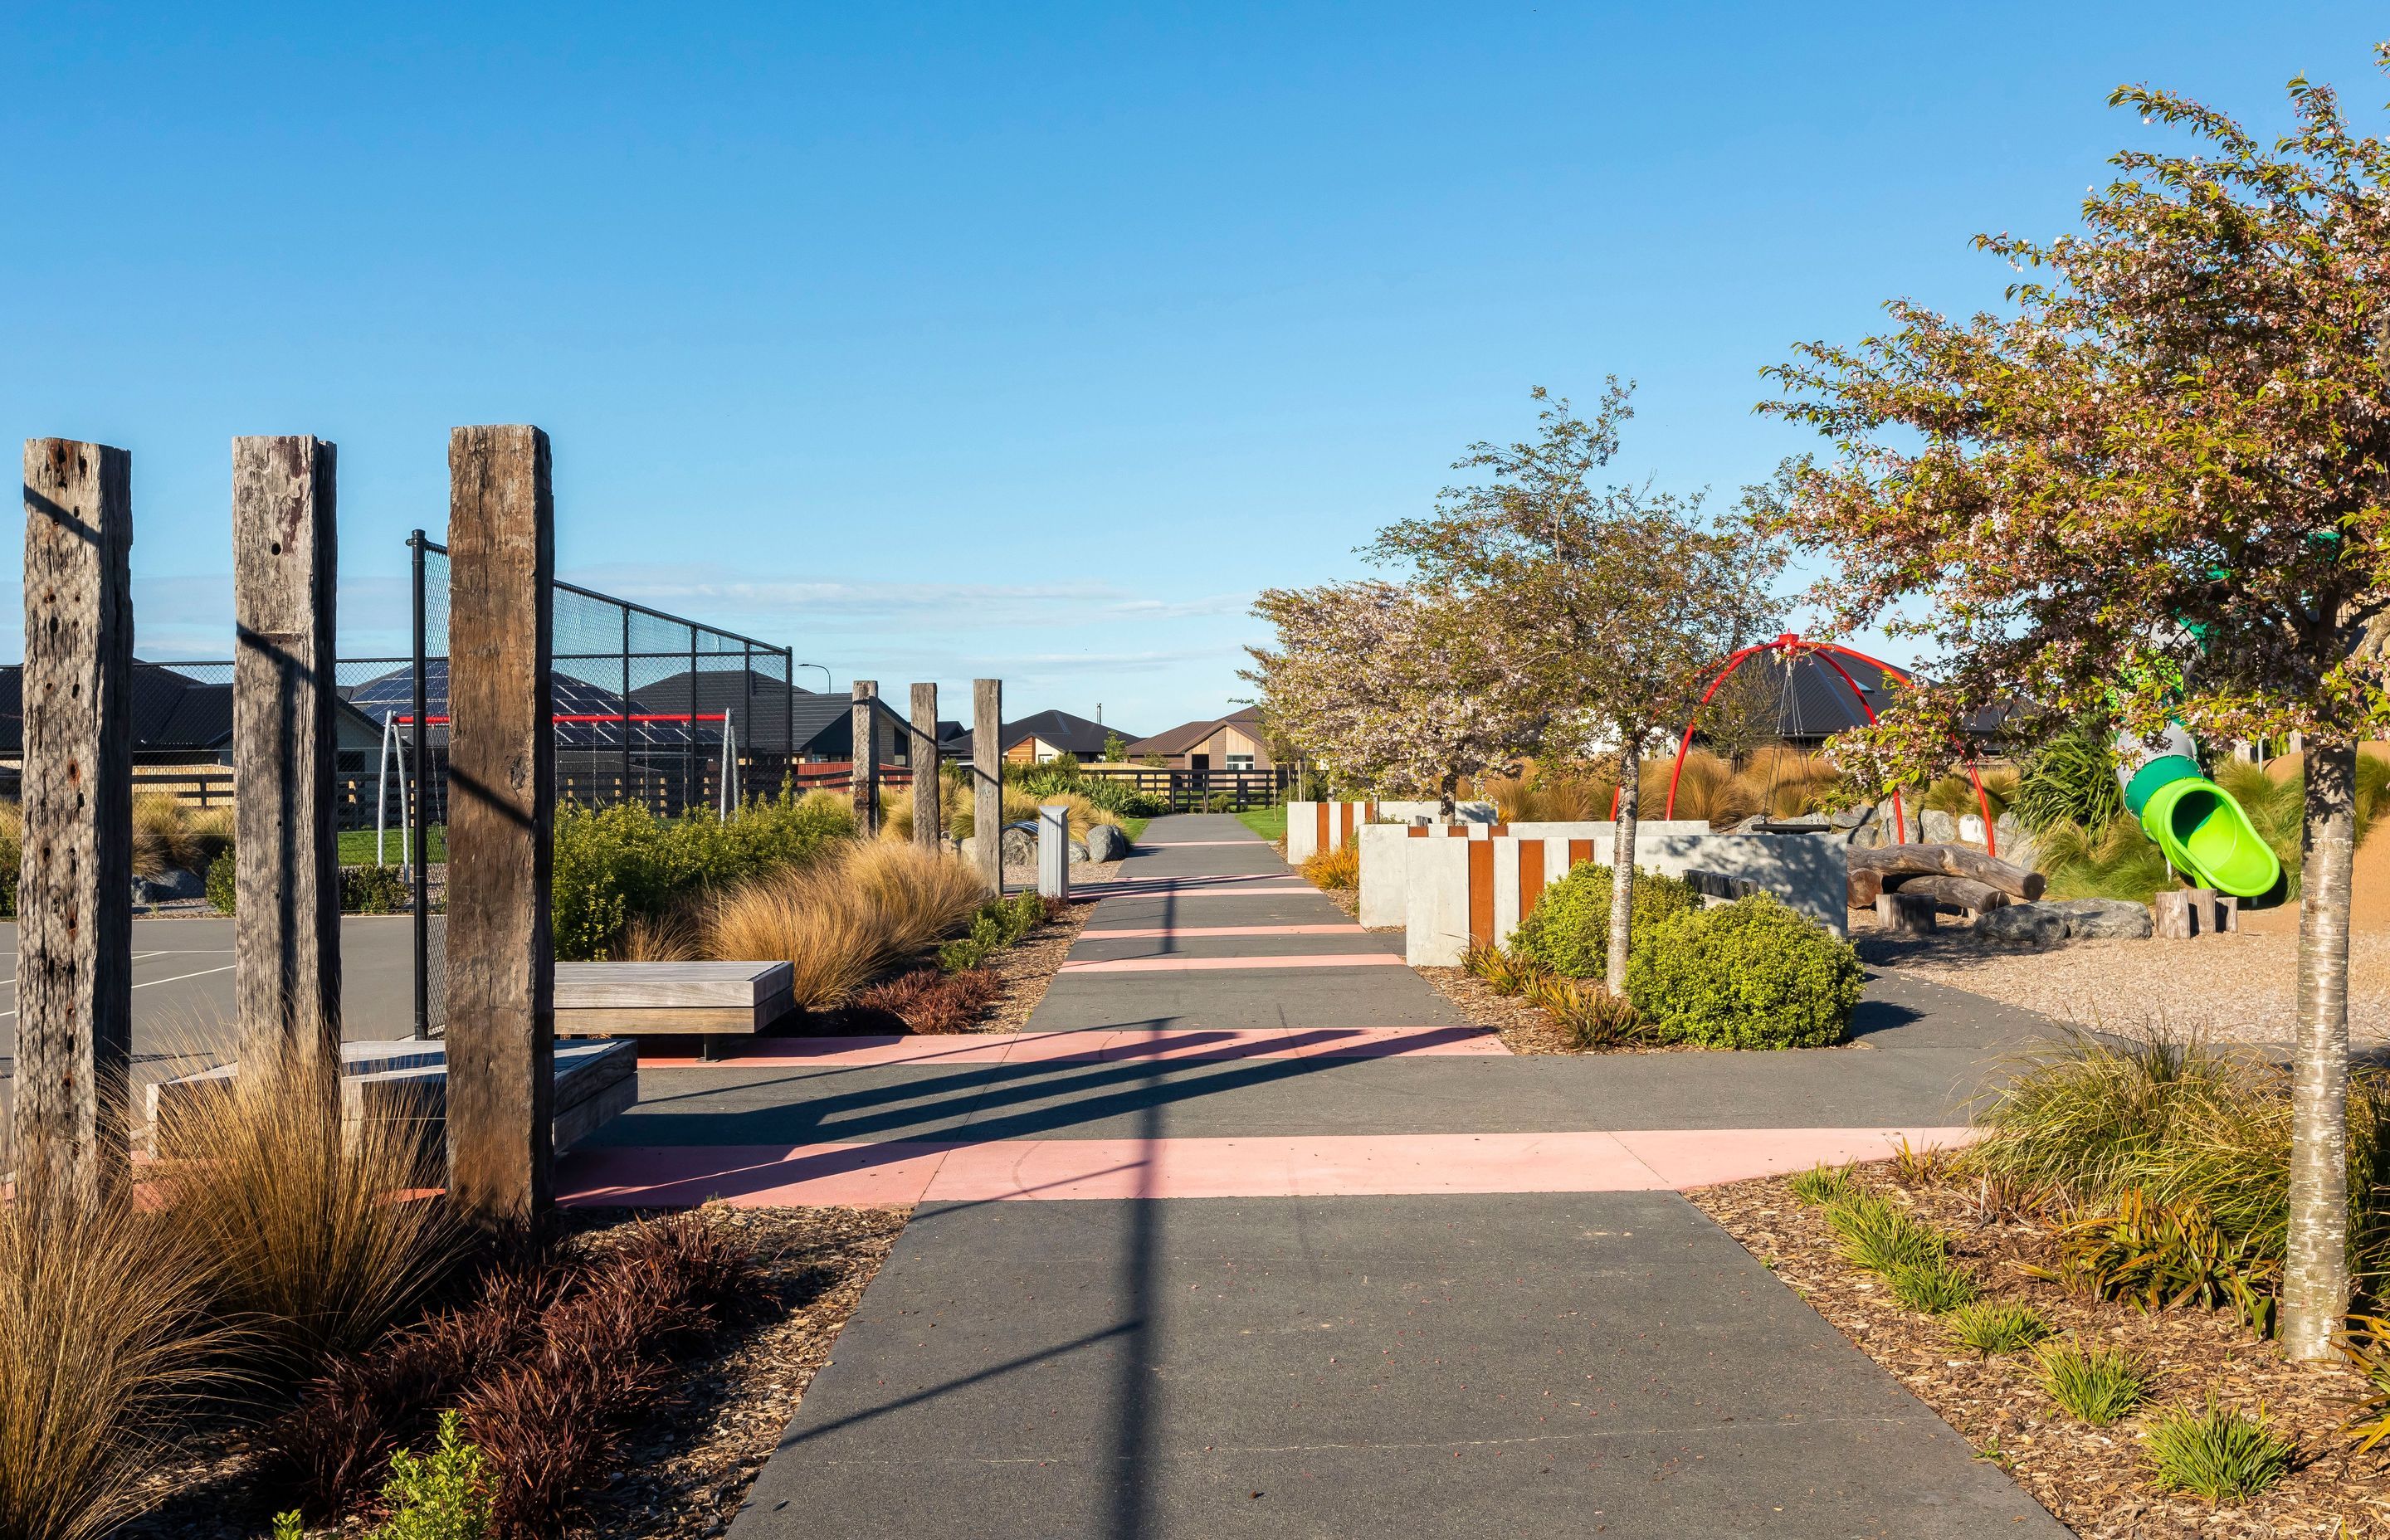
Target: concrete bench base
(406, 1081)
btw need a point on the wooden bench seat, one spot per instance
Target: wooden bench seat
(600, 999)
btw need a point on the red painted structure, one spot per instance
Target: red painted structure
(1792, 647)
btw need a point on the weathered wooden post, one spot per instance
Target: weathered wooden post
(929, 819)
(286, 852)
(74, 891)
(865, 774)
(502, 802)
(987, 779)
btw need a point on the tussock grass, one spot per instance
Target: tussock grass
(2097, 1384)
(2216, 1452)
(2192, 1125)
(319, 1236)
(845, 920)
(1539, 796)
(103, 1342)
(1988, 1328)
(954, 810)
(660, 937)
(1339, 869)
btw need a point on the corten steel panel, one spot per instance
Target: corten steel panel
(1481, 892)
(1531, 875)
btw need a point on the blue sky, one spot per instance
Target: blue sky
(1022, 340)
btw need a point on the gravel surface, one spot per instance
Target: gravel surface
(2094, 1480)
(2241, 986)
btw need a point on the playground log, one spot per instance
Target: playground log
(1889, 867)
(1955, 892)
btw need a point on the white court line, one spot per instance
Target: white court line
(147, 982)
(11, 981)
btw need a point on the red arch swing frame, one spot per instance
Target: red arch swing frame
(1790, 647)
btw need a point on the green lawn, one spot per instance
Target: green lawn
(357, 845)
(1134, 828)
(1267, 822)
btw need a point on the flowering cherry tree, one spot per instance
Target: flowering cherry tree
(2157, 482)
(1394, 690)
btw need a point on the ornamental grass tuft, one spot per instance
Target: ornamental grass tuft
(2095, 1383)
(1935, 1287)
(1989, 1328)
(1825, 1184)
(1879, 1236)
(2216, 1452)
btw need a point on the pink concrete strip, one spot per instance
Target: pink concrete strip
(1333, 1165)
(1192, 964)
(1349, 927)
(1704, 1158)
(1114, 891)
(1077, 1047)
(757, 1176)
(1190, 844)
(1281, 1166)
(1190, 877)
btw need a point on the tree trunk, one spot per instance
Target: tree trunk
(1622, 864)
(1449, 798)
(2315, 1278)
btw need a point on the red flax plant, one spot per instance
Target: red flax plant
(1612, 602)
(2156, 483)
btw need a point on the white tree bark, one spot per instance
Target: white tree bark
(2315, 1280)
(1622, 861)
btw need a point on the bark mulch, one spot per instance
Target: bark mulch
(1024, 970)
(2093, 1480)
(686, 1468)
(1525, 1028)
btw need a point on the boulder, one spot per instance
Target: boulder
(2053, 922)
(1019, 845)
(1938, 829)
(169, 885)
(1078, 853)
(2106, 919)
(1106, 842)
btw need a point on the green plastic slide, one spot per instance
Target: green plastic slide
(2194, 821)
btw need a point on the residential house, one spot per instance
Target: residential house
(1231, 742)
(1043, 738)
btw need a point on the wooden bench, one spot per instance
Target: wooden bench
(406, 1079)
(600, 999)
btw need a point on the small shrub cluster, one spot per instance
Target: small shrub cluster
(620, 862)
(1591, 1016)
(372, 891)
(1568, 930)
(1110, 794)
(220, 883)
(2158, 1256)
(546, 1367)
(1337, 870)
(1000, 922)
(1991, 1327)
(1750, 974)
(444, 1496)
(2215, 1452)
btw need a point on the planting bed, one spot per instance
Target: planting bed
(2094, 1480)
(683, 1470)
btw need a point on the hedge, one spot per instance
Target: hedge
(1568, 930)
(1750, 974)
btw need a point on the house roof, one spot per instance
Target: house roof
(1187, 735)
(172, 714)
(1073, 735)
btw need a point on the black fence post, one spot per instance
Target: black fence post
(418, 821)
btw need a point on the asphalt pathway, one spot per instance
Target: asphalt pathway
(1258, 1238)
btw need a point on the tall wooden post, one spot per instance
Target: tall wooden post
(987, 779)
(928, 817)
(74, 891)
(864, 775)
(502, 802)
(286, 853)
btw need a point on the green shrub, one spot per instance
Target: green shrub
(220, 880)
(1750, 974)
(1987, 1328)
(1934, 1287)
(2097, 1384)
(1825, 1184)
(617, 864)
(1000, 922)
(1880, 1237)
(445, 1497)
(1568, 930)
(2071, 780)
(372, 891)
(2216, 1453)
